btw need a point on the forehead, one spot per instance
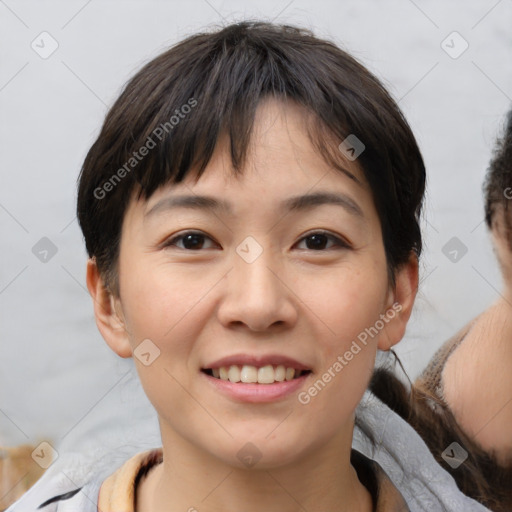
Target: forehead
(281, 162)
(280, 154)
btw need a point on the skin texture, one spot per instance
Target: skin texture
(198, 305)
(477, 381)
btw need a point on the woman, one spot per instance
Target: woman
(250, 209)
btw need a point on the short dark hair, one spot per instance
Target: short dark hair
(498, 181)
(210, 85)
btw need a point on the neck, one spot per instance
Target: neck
(190, 480)
(495, 325)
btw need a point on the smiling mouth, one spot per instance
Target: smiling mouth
(268, 374)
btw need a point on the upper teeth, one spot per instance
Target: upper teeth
(247, 373)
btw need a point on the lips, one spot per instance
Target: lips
(261, 370)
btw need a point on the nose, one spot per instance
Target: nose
(257, 295)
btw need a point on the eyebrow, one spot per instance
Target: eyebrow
(295, 203)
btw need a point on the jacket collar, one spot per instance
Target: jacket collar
(117, 492)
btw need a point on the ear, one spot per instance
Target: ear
(400, 303)
(108, 312)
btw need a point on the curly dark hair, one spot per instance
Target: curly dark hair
(498, 182)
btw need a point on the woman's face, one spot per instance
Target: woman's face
(280, 269)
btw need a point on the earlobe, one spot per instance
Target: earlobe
(108, 312)
(400, 303)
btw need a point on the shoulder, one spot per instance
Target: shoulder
(73, 487)
(384, 437)
(56, 496)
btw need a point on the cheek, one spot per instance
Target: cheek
(158, 302)
(348, 317)
(164, 307)
(347, 303)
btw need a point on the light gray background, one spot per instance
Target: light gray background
(58, 379)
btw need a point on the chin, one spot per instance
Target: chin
(262, 451)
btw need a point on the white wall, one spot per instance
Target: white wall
(58, 379)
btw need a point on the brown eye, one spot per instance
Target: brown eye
(190, 241)
(319, 240)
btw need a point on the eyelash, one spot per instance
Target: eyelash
(342, 244)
